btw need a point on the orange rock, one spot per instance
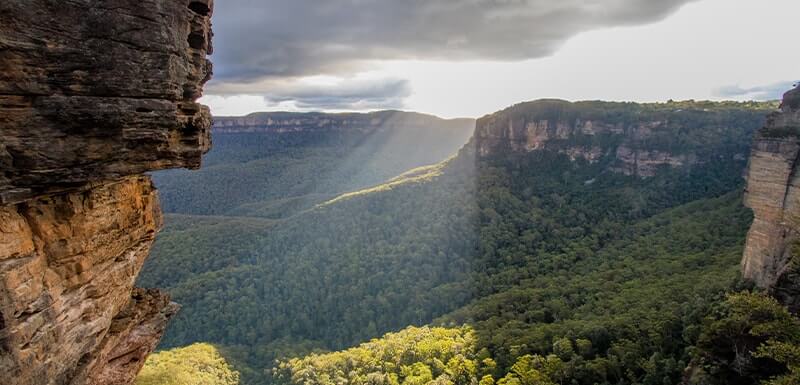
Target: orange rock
(91, 97)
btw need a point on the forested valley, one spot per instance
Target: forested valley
(485, 266)
(275, 164)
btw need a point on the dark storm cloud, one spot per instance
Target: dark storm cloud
(773, 91)
(282, 39)
(348, 95)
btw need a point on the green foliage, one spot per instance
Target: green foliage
(277, 174)
(690, 111)
(197, 364)
(417, 356)
(563, 348)
(417, 175)
(413, 356)
(750, 339)
(630, 308)
(535, 370)
(787, 353)
(562, 281)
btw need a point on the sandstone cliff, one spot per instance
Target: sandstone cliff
(630, 138)
(91, 90)
(773, 192)
(92, 94)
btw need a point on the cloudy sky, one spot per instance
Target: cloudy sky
(472, 57)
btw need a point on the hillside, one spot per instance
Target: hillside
(528, 246)
(273, 164)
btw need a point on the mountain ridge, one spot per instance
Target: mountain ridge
(285, 121)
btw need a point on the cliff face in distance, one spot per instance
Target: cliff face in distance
(92, 94)
(773, 192)
(633, 139)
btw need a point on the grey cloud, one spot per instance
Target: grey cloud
(773, 91)
(258, 39)
(348, 95)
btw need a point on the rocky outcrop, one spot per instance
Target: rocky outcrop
(773, 192)
(645, 162)
(68, 266)
(92, 94)
(133, 334)
(631, 138)
(94, 90)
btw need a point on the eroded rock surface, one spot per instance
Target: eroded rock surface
(92, 94)
(68, 266)
(630, 138)
(773, 192)
(92, 90)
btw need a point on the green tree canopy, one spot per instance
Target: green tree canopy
(197, 364)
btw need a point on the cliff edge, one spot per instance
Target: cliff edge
(773, 192)
(92, 95)
(628, 138)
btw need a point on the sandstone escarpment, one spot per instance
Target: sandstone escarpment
(773, 192)
(630, 138)
(92, 94)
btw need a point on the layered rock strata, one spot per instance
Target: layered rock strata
(630, 138)
(773, 192)
(92, 95)
(92, 90)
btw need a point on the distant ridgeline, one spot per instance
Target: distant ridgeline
(271, 164)
(566, 243)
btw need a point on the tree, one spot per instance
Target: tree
(563, 349)
(416, 374)
(751, 339)
(197, 364)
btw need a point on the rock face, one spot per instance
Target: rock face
(92, 90)
(92, 94)
(773, 192)
(633, 139)
(69, 262)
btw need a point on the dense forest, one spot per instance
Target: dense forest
(255, 172)
(451, 356)
(533, 267)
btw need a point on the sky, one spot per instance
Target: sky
(468, 58)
